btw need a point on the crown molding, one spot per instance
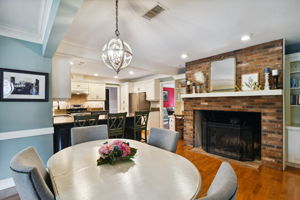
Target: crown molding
(35, 37)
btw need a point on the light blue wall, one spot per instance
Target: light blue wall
(17, 54)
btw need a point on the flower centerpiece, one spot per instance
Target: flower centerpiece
(115, 151)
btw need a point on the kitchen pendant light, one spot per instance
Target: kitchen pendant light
(116, 54)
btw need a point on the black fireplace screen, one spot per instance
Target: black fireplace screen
(235, 135)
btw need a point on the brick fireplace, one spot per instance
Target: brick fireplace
(252, 59)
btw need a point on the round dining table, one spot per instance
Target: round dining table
(153, 173)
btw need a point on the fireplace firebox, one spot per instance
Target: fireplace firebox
(236, 135)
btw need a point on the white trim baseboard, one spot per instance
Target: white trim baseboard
(6, 183)
(26, 133)
(7, 188)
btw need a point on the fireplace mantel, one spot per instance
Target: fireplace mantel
(235, 94)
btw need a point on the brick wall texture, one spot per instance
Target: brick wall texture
(249, 60)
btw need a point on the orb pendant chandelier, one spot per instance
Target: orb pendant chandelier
(116, 54)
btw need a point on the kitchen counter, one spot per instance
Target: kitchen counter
(63, 119)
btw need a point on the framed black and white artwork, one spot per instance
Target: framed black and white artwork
(19, 85)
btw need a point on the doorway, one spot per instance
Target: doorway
(167, 105)
(111, 102)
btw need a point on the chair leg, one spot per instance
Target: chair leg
(134, 135)
(145, 135)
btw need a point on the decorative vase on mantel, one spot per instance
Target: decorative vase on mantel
(200, 79)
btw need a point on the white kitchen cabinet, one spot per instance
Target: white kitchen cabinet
(151, 87)
(153, 121)
(139, 87)
(96, 92)
(152, 90)
(293, 144)
(79, 87)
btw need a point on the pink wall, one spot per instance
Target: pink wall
(170, 102)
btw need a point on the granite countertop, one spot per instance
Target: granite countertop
(62, 119)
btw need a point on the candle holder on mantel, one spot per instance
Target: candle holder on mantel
(275, 75)
(188, 87)
(267, 85)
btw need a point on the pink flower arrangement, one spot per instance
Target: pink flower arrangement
(117, 150)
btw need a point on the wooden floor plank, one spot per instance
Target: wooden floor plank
(260, 184)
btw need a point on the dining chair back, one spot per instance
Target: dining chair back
(86, 120)
(116, 124)
(140, 124)
(88, 133)
(224, 185)
(163, 138)
(30, 176)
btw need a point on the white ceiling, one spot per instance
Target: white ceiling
(199, 28)
(25, 20)
(90, 67)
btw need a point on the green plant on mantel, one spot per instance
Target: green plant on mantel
(257, 86)
(237, 88)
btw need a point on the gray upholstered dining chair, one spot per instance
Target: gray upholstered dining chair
(163, 138)
(30, 176)
(224, 185)
(88, 133)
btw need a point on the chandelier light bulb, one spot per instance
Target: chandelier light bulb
(116, 54)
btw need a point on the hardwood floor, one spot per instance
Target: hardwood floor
(264, 183)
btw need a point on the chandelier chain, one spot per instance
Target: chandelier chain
(117, 19)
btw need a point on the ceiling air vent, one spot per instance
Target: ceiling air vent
(156, 10)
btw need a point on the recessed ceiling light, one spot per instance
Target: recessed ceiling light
(184, 56)
(96, 75)
(245, 37)
(71, 63)
(131, 72)
(116, 77)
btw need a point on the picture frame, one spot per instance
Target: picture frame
(223, 75)
(22, 86)
(249, 81)
(165, 95)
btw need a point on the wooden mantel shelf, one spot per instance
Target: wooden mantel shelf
(234, 94)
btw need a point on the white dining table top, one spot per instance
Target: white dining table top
(153, 174)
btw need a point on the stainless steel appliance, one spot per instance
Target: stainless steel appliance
(138, 102)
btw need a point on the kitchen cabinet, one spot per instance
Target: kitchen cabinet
(151, 87)
(96, 92)
(293, 144)
(153, 120)
(139, 87)
(79, 87)
(152, 90)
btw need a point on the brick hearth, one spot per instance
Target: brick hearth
(249, 60)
